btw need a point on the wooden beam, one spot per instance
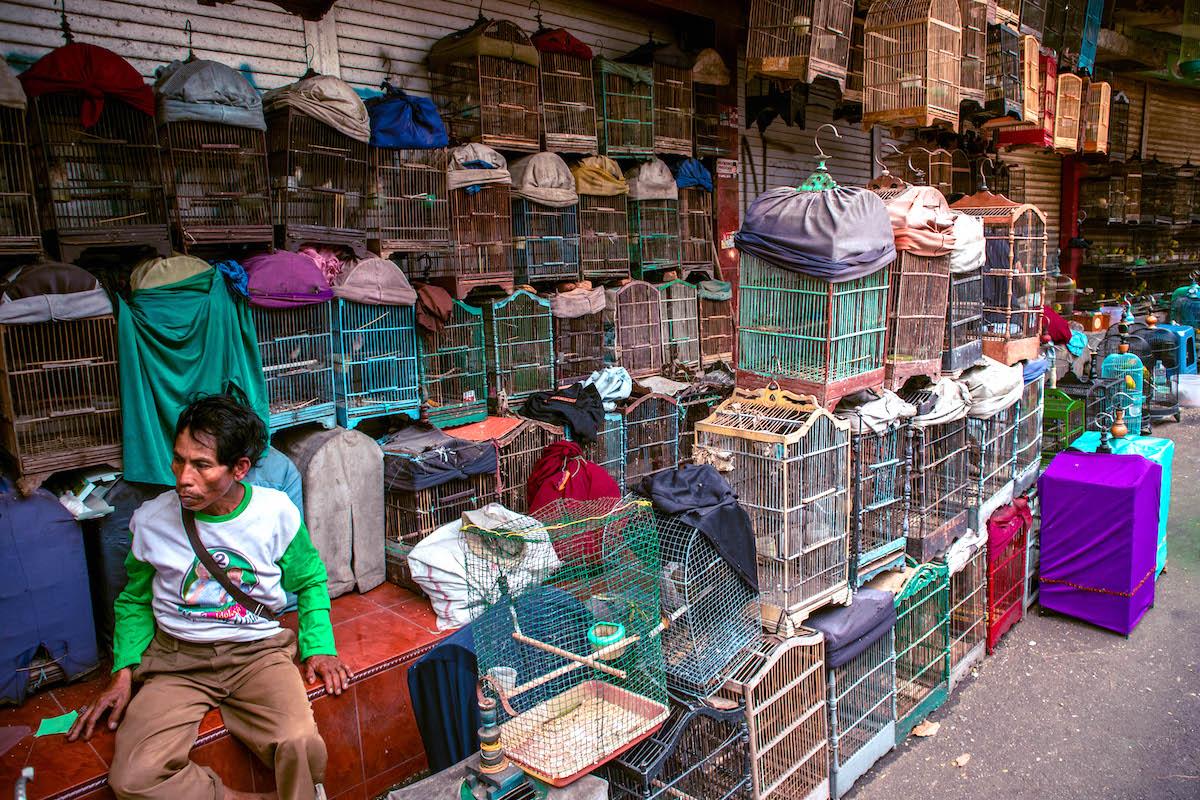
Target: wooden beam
(1112, 46)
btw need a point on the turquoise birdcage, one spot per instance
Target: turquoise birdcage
(1127, 368)
(680, 324)
(453, 375)
(922, 646)
(519, 335)
(375, 359)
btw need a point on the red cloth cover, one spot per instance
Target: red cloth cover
(560, 41)
(563, 473)
(91, 71)
(1056, 326)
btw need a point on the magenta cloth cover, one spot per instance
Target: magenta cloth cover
(284, 279)
(1099, 537)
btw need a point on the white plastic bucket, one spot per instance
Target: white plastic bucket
(1189, 391)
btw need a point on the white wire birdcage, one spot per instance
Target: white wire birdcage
(681, 324)
(296, 348)
(992, 462)
(1028, 458)
(651, 436)
(938, 487)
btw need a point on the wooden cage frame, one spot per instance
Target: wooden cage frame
(1007, 12)
(1096, 117)
(963, 343)
(633, 328)
(481, 233)
(968, 616)
(518, 331)
(716, 330)
(578, 347)
(20, 231)
(1068, 114)
(650, 426)
(680, 313)
(545, 242)
(938, 487)
(913, 54)
(697, 247)
(624, 108)
(973, 67)
(1002, 85)
(410, 201)
(568, 103)
(519, 444)
(674, 107)
(799, 40)
(918, 300)
(1118, 127)
(604, 236)
(1039, 133)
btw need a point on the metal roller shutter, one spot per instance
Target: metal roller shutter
(1043, 188)
(1173, 115)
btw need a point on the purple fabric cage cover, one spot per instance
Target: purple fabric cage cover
(284, 280)
(1099, 537)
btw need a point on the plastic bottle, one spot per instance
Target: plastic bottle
(1161, 387)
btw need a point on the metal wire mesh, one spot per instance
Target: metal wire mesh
(783, 688)
(578, 347)
(101, 186)
(799, 39)
(862, 710)
(216, 177)
(1005, 585)
(519, 450)
(568, 103)
(878, 467)
(651, 436)
(653, 236)
(968, 611)
(1062, 422)
(608, 450)
(603, 237)
(938, 487)
(633, 328)
(481, 230)
(570, 633)
(296, 348)
(788, 461)
(922, 646)
(708, 134)
(453, 372)
(672, 110)
(20, 233)
(696, 243)
(913, 63)
(716, 331)
(992, 461)
(60, 407)
(375, 361)
(680, 324)
(694, 406)
(519, 334)
(917, 314)
(626, 113)
(545, 242)
(963, 344)
(1028, 457)
(411, 202)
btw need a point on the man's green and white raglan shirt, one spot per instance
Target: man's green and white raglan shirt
(262, 544)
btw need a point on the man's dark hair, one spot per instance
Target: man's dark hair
(236, 429)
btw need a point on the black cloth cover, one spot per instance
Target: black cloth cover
(698, 496)
(441, 684)
(576, 405)
(421, 456)
(850, 630)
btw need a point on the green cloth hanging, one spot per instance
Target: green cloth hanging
(174, 341)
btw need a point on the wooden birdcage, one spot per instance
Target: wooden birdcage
(922, 166)
(968, 614)
(973, 67)
(913, 63)
(696, 244)
(603, 222)
(319, 180)
(711, 132)
(375, 360)
(568, 96)
(410, 201)
(680, 324)
(1012, 86)
(1130, 180)
(799, 40)
(519, 444)
(1157, 192)
(633, 328)
(1007, 12)
(1040, 132)
(963, 343)
(878, 467)
(1013, 274)
(922, 646)
(1072, 30)
(1184, 206)
(651, 435)
(855, 72)
(1028, 459)
(20, 232)
(60, 403)
(481, 232)
(782, 687)
(992, 463)
(696, 403)
(608, 449)
(578, 345)
(788, 460)
(938, 487)
(1068, 122)
(545, 242)
(917, 310)
(1033, 17)
(519, 337)
(454, 389)
(1095, 117)
(673, 108)
(625, 105)
(1101, 197)
(296, 348)
(716, 324)
(1118, 127)
(486, 97)
(654, 245)
(812, 336)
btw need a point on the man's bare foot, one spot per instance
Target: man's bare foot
(234, 794)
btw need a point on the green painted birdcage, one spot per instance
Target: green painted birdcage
(519, 341)
(624, 108)
(653, 209)
(1062, 422)
(922, 646)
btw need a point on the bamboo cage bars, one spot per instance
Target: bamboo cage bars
(481, 233)
(799, 40)
(937, 487)
(917, 308)
(673, 109)
(519, 444)
(1068, 122)
(625, 108)
(1096, 117)
(653, 236)
(1003, 90)
(680, 325)
(578, 347)
(968, 616)
(1028, 459)
(716, 330)
(604, 237)
(1118, 127)
(20, 232)
(651, 436)
(913, 63)
(568, 103)
(633, 328)
(1039, 132)
(973, 67)
(519, 340)
(454, 389)
(697, 247)
(410, 201)
(992, 462)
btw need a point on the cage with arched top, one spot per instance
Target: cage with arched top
(967, 564)
(680, 313)
(922, 646)
(973, 66)
(1028, 458)
(20, 233)
(608, 448)
(913, 63)
(716, 322)
(651, 436)
(375, 359)
(454, 389)
(625, 108)
(1096, 110)
(519, 337)
(569, 634)
(799, 40)
(411, 201)
(568, 95)
(788, 461)
(712, 135)
(578, 333)
(1068, 113)
(485, 84)
(633, 328)
(519, 444)
(1118, 127)
(96, 161)
(603, 220)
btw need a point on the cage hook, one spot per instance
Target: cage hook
(817, 138)
(187, 31)
(537, 15)
(879, 160)
(983, 178)
(63, 25)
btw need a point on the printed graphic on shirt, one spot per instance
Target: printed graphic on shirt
(205, 598)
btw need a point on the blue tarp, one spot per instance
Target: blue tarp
(692, 173)
(400, 120)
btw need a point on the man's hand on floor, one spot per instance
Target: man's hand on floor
(330, 670)
(113, 700)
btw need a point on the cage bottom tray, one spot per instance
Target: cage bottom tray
(560, 739)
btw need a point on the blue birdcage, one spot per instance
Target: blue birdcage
(1126, 367)
(296, 347)
(453, 372)
(519, 334)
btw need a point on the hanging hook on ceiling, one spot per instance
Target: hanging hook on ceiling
(63, 25)
(983, 186)
(817, 138)
(187, 31)
(537, 15)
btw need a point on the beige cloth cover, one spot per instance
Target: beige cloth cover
(710, 68)
(577, 303)
(470, 43)
(375, 282)
(155, 272)
(652, 180)
(599, 176)
(12, 95)
(326, 99)
(544, 178)
(459, 176)
(968, 252)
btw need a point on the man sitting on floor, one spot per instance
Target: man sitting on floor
(196, 624)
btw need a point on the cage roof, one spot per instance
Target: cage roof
(327, 99)
(207, 91)
(375, 281)
(93, 72)
(496, 38)
(284, 279)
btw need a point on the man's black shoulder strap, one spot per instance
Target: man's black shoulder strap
(218, 574)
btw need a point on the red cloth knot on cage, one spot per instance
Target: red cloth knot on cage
(563, 473)
(560, 41)
(91, 71)
(1055, 325)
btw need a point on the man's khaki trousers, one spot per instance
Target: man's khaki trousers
(263, 703)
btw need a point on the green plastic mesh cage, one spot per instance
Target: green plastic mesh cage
(1062, 422)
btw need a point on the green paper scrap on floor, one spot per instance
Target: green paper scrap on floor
(52, 725)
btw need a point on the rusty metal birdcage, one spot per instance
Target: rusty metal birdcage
(625, 105)
(1013, 274)
(411, 202)
(578, 333)
(653, 219)
(454, 389)
(651, 436)
(1068, 113)
(296, 348)
(96, 161)
(968, 605)
(799, 40)
(938, 484)
(716, 322)
(20, 232)
(711, 131)
(633, 328)
(603, 220)
(673, 105)
(782, 686)
(788, 461)
(519, 444)
(697, 247)
(680, 316)
(973, 67)
(545, 221)
(913, 63)
(485, 84)
(60, 405)
(568, 96)
(519, 336)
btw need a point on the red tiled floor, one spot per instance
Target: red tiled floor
(337, 719)
(378, 637)
(389, 594)
(349, 606)
(354, 793)
(398, 774)
(389, 730)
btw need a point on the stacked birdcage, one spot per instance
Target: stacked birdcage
(852, 95)
(519, 341)
(696, 244)
(485, 84)
(650, 431)
(973, 52)
(716, 322)
(966, 562)
(923, 166)
(603, 220)
(409, 198)
(20, 233)
(1013, 274)
(569, 635)
(938, 481)
(1028, 458)
(1030, 586)
(1037, 131)
(1033, 17)
(672, 73)
(653, 219)
(1004, 91)
(799, 40)
(1131, 186)
(1157, 193)
(95, 159)
(1096, 109)
(788, 461)
(1072, 29)
(293, 319)
(454, 389)
(962, 344)
(1184, 196)
(625, 105)
(608, 448)
(1062, 422)
(700, 752)
(711, 132)
(545, 226)
(922, 646)
(318, 159)
(519, 444)
(1068, 113)
(913, 63)
(578, 333)
(1008, 531)
(680, 316)
(215, 171)
(993, 442)
(633, 328)
(480, 221)
(568, 96)
(375, 344)
(696, 403)
(782, 687)
(1118, 127)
